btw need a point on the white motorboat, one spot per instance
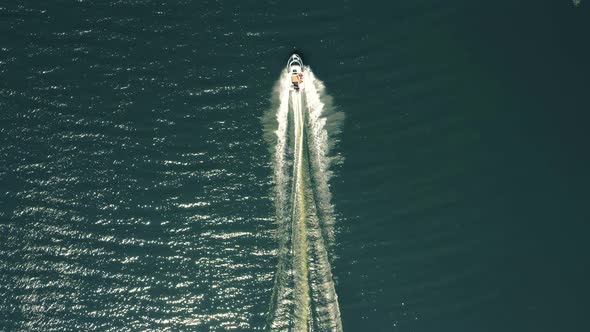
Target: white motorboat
(295, 68)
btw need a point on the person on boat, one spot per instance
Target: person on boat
(295, 80)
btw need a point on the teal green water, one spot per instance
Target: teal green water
(137, 187)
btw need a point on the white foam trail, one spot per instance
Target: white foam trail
(276, 122)
(304, 296)
(319, 146)
(280, 167)
(325, 298)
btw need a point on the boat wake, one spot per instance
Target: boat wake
(301, 129)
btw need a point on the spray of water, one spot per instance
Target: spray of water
(301, 128)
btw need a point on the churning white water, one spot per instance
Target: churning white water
(300, 129)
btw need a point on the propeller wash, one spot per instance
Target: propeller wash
(301, 130)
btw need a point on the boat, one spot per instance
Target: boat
(295, 68)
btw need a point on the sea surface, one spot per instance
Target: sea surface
(139, 182)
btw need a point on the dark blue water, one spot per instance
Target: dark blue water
(137, 189)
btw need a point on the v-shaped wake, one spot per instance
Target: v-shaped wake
(304, 296)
